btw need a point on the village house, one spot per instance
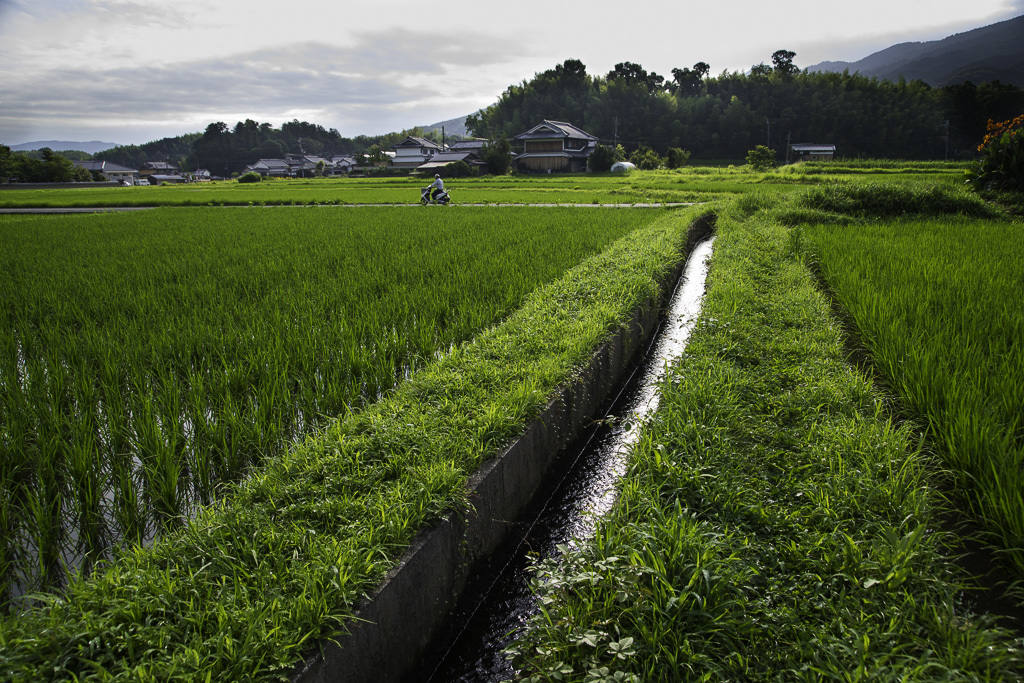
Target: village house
(813, 152)
(271, 168)
(151, 168)
(413, 152)
(109, 170)
(554, 147)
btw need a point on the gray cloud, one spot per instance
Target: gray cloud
(377, 71)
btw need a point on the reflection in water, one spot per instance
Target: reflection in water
(498, 600)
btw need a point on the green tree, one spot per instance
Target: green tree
(646, 158)
(601, 159)
(6, 164)
(457, 169)
(677, 157)
(761, 158)
(783, 62)
(498, 156)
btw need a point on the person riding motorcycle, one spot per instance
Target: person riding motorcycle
(438, 186)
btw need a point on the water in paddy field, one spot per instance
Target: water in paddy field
(497, 600)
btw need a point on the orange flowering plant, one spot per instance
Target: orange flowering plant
(1002, 157)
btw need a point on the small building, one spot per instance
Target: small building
(439, 161)
(168, 179)
(623, 167)
(341, 164)
(554, 147)
(806, 151)
(151, 168)
(109, 170)
(413, 152)
(202, 175)
(475, 145)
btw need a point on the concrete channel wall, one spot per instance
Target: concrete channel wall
(394, 625)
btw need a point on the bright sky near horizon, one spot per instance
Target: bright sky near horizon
(132, 71)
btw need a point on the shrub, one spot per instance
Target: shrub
(677, 157)
(1002, 157)
(761, 158)
(601, 159)
(646, 158)
(250, 177)
(456, 169)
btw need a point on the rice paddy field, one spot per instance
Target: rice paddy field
(238, 418)
(937, 304)
(149, 360)
(690, 184)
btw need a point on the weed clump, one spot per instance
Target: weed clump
(891, 200)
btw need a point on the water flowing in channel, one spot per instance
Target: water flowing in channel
(498, 600)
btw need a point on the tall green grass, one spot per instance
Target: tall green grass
(775, 523)
(148, 360)
(937, 304)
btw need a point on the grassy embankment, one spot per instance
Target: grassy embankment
(255, 579)
(690, 184)
(777, 522)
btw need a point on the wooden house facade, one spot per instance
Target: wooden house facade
(554, 147)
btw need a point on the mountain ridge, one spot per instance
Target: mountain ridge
(988, 53)
(90, 147)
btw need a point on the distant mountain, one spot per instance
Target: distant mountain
(451, 127)
(994, 52)
(63, 145)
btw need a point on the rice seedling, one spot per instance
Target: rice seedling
(150, 360)
(936, 304)
(256, 579)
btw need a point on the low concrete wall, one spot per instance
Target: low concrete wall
(395, 624)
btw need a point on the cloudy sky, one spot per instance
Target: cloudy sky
(131, 71)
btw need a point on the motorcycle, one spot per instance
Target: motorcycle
(442, 198)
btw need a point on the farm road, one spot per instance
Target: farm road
(109, 209)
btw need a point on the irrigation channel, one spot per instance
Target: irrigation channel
(497, 601)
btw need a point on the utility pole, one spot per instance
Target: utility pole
(789, 141)
(769, 141)
(946, 124)
(615, 136)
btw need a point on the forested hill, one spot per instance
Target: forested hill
(990, 53)
(724, 117)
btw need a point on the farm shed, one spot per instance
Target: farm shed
(554, 146)
(813, 152)
(439, 161)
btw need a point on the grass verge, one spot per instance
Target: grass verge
(255, 579)
(775, 522)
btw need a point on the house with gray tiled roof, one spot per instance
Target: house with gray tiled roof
(157, 168)
(109, 170)
(554, 147)
(414, 151)
(275, 168)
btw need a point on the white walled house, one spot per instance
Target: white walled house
(413, 152)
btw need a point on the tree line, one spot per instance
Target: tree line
(723, 117)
